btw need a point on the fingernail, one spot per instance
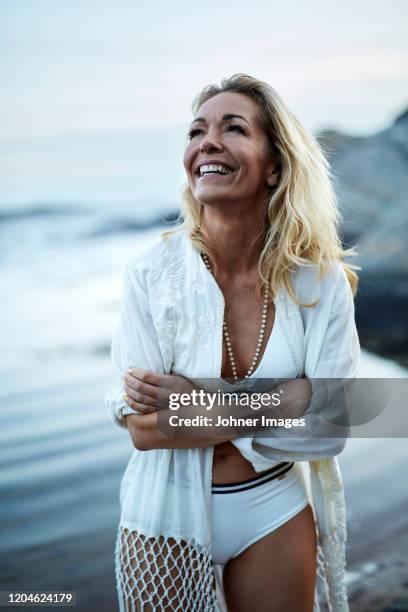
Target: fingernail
(125, 397)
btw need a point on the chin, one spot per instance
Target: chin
(212, 197)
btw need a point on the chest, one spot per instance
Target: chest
(189, 326)
(249, 322)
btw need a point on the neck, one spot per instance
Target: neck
(235, 242)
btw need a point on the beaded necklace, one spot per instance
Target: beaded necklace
(264, 316)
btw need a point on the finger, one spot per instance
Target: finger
(141, 384)
(139, 397)
(140, 407)
(141, 387)
(147, 376)
(148, 394)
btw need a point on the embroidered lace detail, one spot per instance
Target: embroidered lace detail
(284, 322)
(334, 564)
(162, 303)
(161, 574)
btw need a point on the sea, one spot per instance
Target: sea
(61, 457)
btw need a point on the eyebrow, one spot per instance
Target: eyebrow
(226, 117)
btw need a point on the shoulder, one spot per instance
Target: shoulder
(311, 283)
(157, 255)
(160, 265)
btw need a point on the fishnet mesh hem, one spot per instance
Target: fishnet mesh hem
(161, 574)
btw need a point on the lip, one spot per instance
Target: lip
(214, 177)
(217, 162)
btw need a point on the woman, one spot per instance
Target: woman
(251, 285)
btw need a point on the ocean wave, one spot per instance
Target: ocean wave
(121, 224)
(39, 210)
(102, 222)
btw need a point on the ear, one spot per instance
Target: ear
(273, 174)
(272, 179)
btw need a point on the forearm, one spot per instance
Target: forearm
(174, 429)
(295, 398)
(146, 435)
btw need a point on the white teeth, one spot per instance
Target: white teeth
(206, 168)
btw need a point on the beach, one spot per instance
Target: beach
(62, 458)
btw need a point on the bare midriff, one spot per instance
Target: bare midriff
(229, 465)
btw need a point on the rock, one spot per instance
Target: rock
(371, 180)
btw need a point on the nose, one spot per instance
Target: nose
(210, 143)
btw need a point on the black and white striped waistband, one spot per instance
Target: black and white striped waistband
(275, 472)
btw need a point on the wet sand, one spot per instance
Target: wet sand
(381, 568)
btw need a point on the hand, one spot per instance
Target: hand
(295, 399)
(149, 392)
(143, 430)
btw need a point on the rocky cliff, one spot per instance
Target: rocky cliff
(371, 177)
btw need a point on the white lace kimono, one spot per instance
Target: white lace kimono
(171, 320)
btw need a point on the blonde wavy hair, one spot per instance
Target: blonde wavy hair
(301, 213)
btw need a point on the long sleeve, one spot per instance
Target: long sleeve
(331, 350)
(335, 351)
(135, 342)
(332, 363)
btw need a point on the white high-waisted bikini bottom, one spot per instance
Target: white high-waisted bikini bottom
(244, 512)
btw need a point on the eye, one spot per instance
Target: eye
(194, 132)
(234, 127)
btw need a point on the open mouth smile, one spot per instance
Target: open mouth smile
(213, 170)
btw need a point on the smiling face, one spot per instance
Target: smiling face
(228, 156)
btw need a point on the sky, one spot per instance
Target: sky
(96, 95)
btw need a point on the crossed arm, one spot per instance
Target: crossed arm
(148, 393)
